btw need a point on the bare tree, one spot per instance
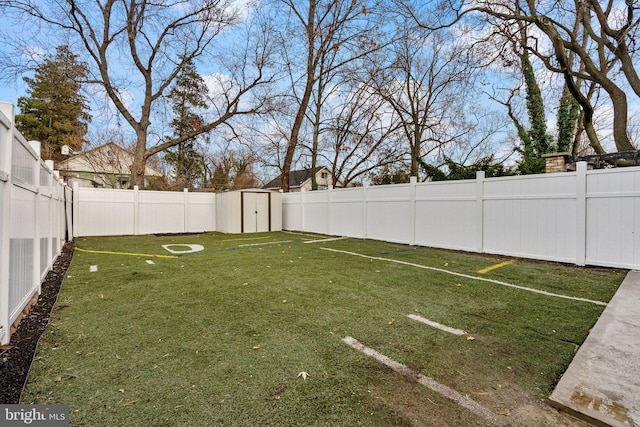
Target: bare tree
(424, 84)
(585, 41)
(333, 33)
(136, 48)
(361, 135)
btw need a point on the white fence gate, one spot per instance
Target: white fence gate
(33, 217)
(582, 217)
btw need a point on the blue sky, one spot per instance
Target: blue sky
(10, 94)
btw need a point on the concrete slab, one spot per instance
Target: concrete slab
(602, 384)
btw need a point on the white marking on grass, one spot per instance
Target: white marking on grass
(192, 248)
(248, 238)
(93, 268)
(332, 239)
(150, 262)
(466, 276)
(437, 325)
(315, 236)
(264, 243)
(441, 389)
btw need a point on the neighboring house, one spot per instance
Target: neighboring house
(301, 179)
(106, 166)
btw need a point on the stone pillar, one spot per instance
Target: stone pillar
(556, 162)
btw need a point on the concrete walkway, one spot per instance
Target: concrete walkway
(602, 384)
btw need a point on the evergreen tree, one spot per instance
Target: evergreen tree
(54, 112)
(187, 96)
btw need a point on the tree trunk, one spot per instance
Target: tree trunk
(617, 95)
(304, 102)
(620, 117)
(139, 160)
(415, 155)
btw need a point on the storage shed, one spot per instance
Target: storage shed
(249, 211)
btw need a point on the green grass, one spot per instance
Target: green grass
(218, 337)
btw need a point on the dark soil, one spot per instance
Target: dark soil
(15, 358)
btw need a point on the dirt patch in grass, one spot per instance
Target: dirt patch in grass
(15, 358)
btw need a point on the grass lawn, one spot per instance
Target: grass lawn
(220, 336)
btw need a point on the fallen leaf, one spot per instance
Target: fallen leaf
(58, 379)
(289, 289)
(446, 264)
(304, 375)
(470, 338)
(458, 284)
(377, 271)
(284, 300)
(121, 390)
(256, 347)
(392, 321)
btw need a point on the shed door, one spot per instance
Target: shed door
(255, 212)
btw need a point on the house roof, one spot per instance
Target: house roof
(296, 178)
(108, 158)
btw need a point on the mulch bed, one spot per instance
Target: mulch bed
(15, 358)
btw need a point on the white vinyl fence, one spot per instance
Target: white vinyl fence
(115, 212)
(33, 217)
(582, 217)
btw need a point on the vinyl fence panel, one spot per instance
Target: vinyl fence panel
(103, 212)
(581, 217)
(5, 212)
(447, 216)
(389, 213)
(315, 208)
(31, 232)
(348, 213)
(160, 212)
(613, 218)
(531, 216)
(201, 212)
(118, 212)
(292, 211)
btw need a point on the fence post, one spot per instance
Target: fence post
(365, 209)
(6, 142)
(37, 213)
(75, 207)
(186, 210)
(581, 213)
(480, 176)
(412, 213)
(53, 213)
(302, 209)
(136, 210)
(330, 195)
